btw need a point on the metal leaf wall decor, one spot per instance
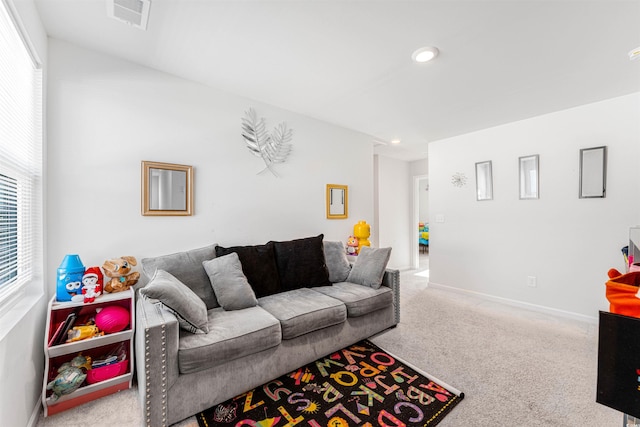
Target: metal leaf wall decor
(272, 147)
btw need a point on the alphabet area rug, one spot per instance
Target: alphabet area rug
(361, 385)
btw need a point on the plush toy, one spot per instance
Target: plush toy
(120, 274)
(82, 332)
(69, 279)
(92, 284)
(352, 245)
(70, 376)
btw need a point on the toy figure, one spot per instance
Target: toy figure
(119, 272)
(75, 293)
(92, 284)
(83, 332)
(352, 245)
(362, 231)
(70, 376)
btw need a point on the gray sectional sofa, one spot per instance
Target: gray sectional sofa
(181, 373)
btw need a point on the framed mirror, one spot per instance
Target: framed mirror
(337, 201)
(529, 179)
(167, 189)
(593, 172)
(484, 181)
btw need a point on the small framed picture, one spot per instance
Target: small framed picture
(593, 172)
(484, 181)
(529, 177)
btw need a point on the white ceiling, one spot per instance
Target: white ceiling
(348, 62)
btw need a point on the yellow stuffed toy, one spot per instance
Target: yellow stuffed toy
(83, 332)
(120, 274)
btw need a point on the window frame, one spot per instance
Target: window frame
(18, 296)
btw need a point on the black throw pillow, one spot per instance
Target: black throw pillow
(301, 263)
(259, 265)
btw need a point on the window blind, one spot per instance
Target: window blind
(20, 159)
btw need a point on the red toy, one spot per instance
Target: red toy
(92, 284)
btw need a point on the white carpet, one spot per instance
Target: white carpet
(516, 367)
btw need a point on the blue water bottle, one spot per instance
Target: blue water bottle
(69, 283)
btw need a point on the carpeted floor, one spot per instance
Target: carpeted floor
(516, 367)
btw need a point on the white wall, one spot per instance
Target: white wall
(21, 328)
(567, 243)
(419, 167)
(393, 184)
(107, 115)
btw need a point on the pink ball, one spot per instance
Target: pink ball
(112, 319)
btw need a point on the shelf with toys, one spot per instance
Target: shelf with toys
(59, 311)
(95, 347)
(99, 381)
(88, 343)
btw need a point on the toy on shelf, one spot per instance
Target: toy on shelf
(92, 284)
(120, 274)
(352, 245)
(69, 279)
(423, 236)
(70, 376)
(113, 318)
(362, 231)
(109, 365)
(82, 332)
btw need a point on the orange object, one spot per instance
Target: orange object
(621, 293)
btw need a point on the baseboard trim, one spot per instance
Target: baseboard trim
(35, 414)
(520, 304)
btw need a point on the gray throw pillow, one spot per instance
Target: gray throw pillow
(186, 267)
(259, 265)
(229, 283)
(337, 263)
(369, 267)
(178, 298)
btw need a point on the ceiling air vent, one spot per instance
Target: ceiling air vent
(132, 12)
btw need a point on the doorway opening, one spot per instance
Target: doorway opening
(420, 224)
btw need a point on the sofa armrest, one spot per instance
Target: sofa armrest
(391, 279)
(156, 347)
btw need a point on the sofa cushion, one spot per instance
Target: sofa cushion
(187, 268)
(301, 311)
(259, 265)
(360, 300)
(338, 265)
(179, 299)
(230, 285)
(368, 270)
(301, 263)
(232, 334)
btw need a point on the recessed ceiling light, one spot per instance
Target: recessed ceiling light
(634, 54)
(425, 54)
(395, 141)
